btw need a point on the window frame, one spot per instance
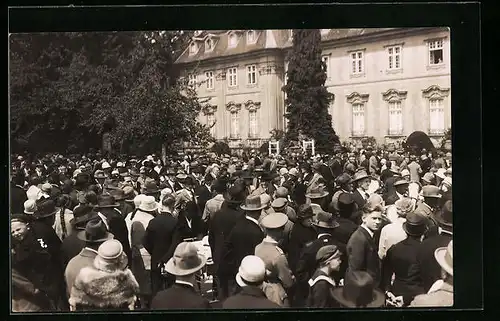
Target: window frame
(250, 72)
(193, 45)
(192, 79)
(356, 62)
(210, 80)
(255, 126)
(440, 108)
(393, 55)
(210, 123)
(231, 35)
(429, 50)
(399, 110)
(209, 49)
(234, 132)
(235, 75)
(253, 40)
(357, 104)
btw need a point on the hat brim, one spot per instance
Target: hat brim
(411, 233)
(439, 219)
(82, 219)
(174, 270)
(243, 207)
(152, 192)
(44, 215)
(360, 178)
(108, 206)
(81, 236)
(315, 196)
(148, 210)
(324, 225)
(401, 183)
(439, 254)
(377, 302)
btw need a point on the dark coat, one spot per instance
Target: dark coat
(118, 228)
(71, 247)
(25, 297)
(242, 240)
(428, 269)
(204, 195)
(386, 173)
(249, 298)
(49, 240)
(183, 231)
(345, 229)
(320, 293)
(362, 254)
(159, 238)
(17, 198)
(358, 199)
(401, 259)
(179, 296)
(391, 197)
(219, 228)
(299, 236)
(125, 208)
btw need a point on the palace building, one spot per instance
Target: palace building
(387, 82)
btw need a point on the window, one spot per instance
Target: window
(235, 124)
(233, 39)
(193, 48)
(395, 118)
(251, 75)
(326, 60)
(357, 62)
(253, 131)
(394, 54)
(232, 75)
(209, 75)
(251, 36)
(436, 116)
(210, 123)
(358, 119)
(209, 44)
(192, 80)
(436, 52)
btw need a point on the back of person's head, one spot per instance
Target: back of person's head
(168, 201)
(93, 188)
(34, 180)
(388, 164)
(91, 197)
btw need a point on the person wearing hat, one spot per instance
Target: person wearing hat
(134, 179)
(362, 246)
(400, 191)
(428, 179)
(362, 183)
(387, 172)
(428, 268)
(428, 205)
(324, 224)
(279, 277)
(282, 192)
(280, 205)
(243, 238)
(214, 204)
(359, 291)
(321, 284)
(250, 277)
(415, 169)
(34, 279)
(185, 263)
(106, 285)
(29, 208)
(17, 194)
(441, 292)
(345, 216)
(220, 226)
(317, 178)
(342, 185)
(93, 235)
(150, 188)
(401, 261)
(318, 197)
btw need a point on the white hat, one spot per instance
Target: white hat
(252, 271)
(441, 173)
(447, 181)
(29, 207)
(120, 164)
(283, 171)
(105, 165)
(444, 256)
(138, 200)
(293, 172)
(148, 204)
(76, 172)
(405, 172)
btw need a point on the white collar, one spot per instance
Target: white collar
(321, 234)
(363, 193)
(366, 228)
(268, 239)
(252, 219)
(91, 250)
(312, 282)
(184, 282)
(441, 231)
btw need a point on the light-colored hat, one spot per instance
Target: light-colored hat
(428, 177)
(148, 204)
(283, 171)
(29, 207)
(252, 203)
(186, 260)
(110, 256)
(404, 206)
(46, 187)
(447, 181)
(401, 182)
(444, 256)
(360, 175)
(293, 172)
(394, 168)
(279, 202)
(431, 191)
(274, 220)
(105, 165)
(281, 192)
(405, 172)
(120, 164)
(138, 200)
(317, 192)
(252, 271)
(265, 199)
(441, 173)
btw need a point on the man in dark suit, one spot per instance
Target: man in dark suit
(400, 191)
(72, 245)
(362, 248)
(202, 195)
(184, 265)
(302, 233)
(158, 240)
(346, 208)
(17, 194)
(244, 237)
(360, 194)
(220, 225)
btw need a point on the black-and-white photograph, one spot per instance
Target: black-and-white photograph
(230, 169)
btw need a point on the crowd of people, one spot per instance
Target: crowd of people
(361, 228)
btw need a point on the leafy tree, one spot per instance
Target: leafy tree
(221, 148)
(308, 99)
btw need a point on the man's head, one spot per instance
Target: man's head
(305, 215)
(372, 219)
(329, 256)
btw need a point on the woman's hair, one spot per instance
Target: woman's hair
(63, 201)
(34, 180)
(91, 197)
(168, 201)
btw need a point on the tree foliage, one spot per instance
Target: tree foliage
(69, 88)
(308, 99)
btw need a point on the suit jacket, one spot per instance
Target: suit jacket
(84, 259)
(401, 260)
(428, 269)
(299, 236)
(118, 228)
(159, 238)
(203, 198)
(49, 240)
(184, 231)
(242, 240)
(179, 296)
(358, 199)
(219, 228)
(320, 289)
(17, 198)
(71, 247)
(391, 198)
(362, 254)
(345, 230)
(249, 298)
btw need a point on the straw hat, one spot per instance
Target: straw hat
(148, 204)
(444, 257)
(30, 207)
(110, 257)
(359, 175)
(186, 260)
(252, 271)
(252, 203)
(274, 220)
(317, 192)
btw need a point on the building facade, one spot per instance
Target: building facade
(387, 82)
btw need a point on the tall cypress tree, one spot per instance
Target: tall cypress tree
(308, 99)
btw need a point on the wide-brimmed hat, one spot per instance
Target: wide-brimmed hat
(235, 194)
(293, 172)
(444, 257)
(46, 188)
(445, 216)
(99, 174)
(129, 193)
(415, 224)
(431, 191)
(246, 174)
(252, 203)
(269, 176)
(95, 232)
(317, 192)
(45, 208)
(186, 260)
(150, 187)
(252, 271)
(30, 207)
(359, 291)
(117, 193)
(404, 206)
(401, 181)
(325, 220)
(274, 220)
(359, 175)
(106, 201)
(405, 172)
(81, 215)
(279, 202)
(343, 179)
(148, 204)
(428, 177)
(110, 257)
(441, 173)
(305, 212)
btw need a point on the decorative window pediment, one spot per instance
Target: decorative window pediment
(209, 109)
(233, 107)
(435, 92)
(393, 95)
(357, 98)
(251, 105)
